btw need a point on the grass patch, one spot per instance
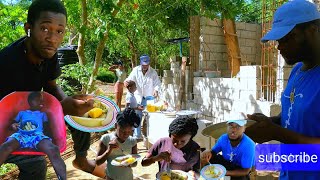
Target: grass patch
(5, 168)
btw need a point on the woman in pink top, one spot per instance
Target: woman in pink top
(178, 151)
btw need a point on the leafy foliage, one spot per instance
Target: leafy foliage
(5, 168)
(105, 75)
(144, 26)
(251, 12)
(12, 18)
(255, 11)
(75, 78)
(228, 9)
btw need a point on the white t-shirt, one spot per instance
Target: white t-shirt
(130, 98)
(146, 84)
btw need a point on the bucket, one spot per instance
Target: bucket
(149, 102)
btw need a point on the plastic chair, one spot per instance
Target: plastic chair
(11, 104)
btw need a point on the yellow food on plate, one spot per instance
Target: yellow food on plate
(165, 176)
(107, 118)
(124, 160)
(95, 112)
(88, 122)
(175, 175)
(96, 117)
(212, 172)
(128, 161)
(99, 104)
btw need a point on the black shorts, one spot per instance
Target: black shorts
(30, 167)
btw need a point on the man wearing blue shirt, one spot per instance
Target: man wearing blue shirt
(296, 28)
(237, 151)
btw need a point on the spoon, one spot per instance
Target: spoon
(168, 169)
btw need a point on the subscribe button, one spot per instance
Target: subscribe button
(292, 157)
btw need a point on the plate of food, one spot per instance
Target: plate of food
(125, 160)
(100, 118)
(175, 175)
(213, 172)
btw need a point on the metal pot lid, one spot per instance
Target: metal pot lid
(187, 113)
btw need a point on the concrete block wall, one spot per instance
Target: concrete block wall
(170, 93)
(214, 50)
(213, 54)
(221, 99)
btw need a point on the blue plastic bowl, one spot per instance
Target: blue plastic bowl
(26, 131)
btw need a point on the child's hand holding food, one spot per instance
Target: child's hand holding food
(113, 145)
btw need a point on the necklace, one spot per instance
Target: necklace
(294, 85)
(233, 151)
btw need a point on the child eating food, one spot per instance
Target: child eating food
(116, 144)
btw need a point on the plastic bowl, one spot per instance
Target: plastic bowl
(28, 131)
(187, 175)
(218, 169)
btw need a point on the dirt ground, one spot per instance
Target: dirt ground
(140, 173)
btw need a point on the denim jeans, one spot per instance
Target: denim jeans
(137, 131)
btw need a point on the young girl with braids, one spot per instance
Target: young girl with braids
(119, 143)
(178, 151)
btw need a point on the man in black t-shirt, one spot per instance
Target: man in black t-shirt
(30, 64)
(18, 74)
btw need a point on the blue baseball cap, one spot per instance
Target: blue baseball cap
(288, 16)
(144, 60)
(240, 122)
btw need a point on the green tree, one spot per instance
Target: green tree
(13, 15)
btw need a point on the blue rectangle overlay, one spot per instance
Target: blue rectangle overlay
(292, 157)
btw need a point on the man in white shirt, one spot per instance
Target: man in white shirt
(146, 79)
(147, 82)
